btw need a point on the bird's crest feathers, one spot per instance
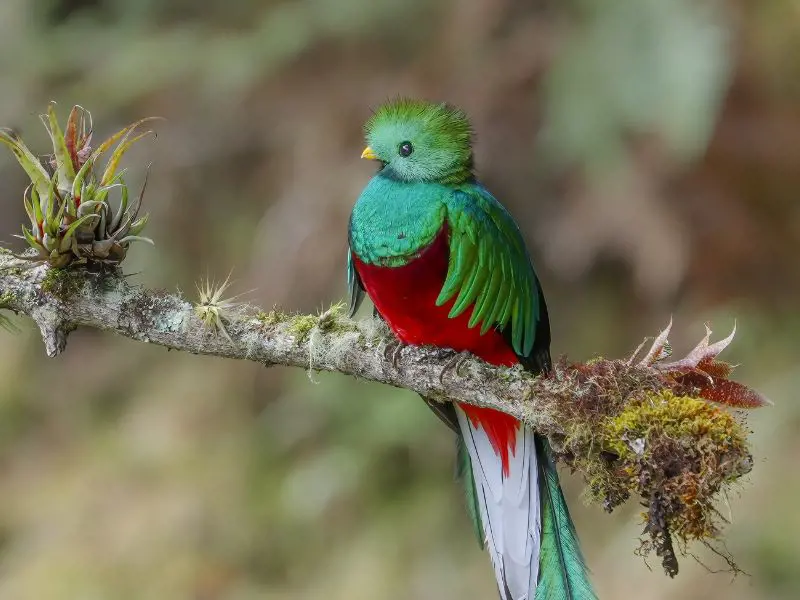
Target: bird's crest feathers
(417, 140)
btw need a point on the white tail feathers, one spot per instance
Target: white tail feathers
(509, 508)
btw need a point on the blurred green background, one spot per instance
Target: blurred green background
(650, 151)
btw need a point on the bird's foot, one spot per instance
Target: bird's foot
(392, 350)
(439, 353)
(454, 364)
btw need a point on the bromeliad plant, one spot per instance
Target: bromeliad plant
(67, 201)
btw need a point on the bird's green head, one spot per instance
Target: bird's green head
(420, 141)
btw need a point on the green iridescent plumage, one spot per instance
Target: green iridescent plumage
(379, 239)
(489, 267)
(562, 570)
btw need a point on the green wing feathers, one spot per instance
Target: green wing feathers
(489, 268)
(562, 570)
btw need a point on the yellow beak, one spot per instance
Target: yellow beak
(369, 154)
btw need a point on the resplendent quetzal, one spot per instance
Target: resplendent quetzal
(445, 265)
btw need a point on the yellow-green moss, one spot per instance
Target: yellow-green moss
(331, 321)
(673, 453)
(676, 453)
(62, 283)
(334, 320)
(301, 325)
(338, 325)
(298, 325)
(272, 317)
(675, 417)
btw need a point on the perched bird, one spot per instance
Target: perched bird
(445, 264)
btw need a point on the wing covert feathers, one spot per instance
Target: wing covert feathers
(489, 268)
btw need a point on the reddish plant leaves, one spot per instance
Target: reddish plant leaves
(720, 390)
(700, 373)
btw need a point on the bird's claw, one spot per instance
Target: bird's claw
(442, 353)
(454, 364)
(392, 350)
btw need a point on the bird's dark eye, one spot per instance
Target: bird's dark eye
(405, 149)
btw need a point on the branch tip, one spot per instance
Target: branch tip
(54, 331)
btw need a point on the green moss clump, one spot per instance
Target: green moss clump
(301, 325)
(330, 321)
(298, 325)
(665, 414)
(273, 317)
(631, 436)
(680, 450)
(62, 283)
(675, 453)
(334, 320)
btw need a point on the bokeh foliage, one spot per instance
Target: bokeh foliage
(649, 150)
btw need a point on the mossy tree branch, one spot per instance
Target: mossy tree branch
(644, 429)
(59, 300)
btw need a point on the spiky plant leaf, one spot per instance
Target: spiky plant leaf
(138, 225)
(71, 135)
(64, 165)
(80, 178)
(212, 309)
(32, 240)
(125, 131)
(33, 167)
(117, 155)
(123, 208)
(136, 238)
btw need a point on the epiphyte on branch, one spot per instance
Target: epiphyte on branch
(71, 218)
